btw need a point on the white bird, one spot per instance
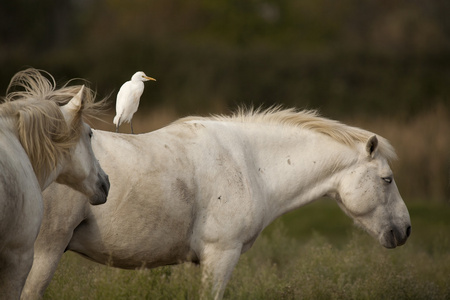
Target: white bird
(128, 99)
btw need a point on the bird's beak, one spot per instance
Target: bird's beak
(150, 78)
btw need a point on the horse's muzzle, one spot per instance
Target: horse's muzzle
(102, 190)
(395, 237)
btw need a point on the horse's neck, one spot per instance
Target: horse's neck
(297, 166)
(8, 128)
(50, 178)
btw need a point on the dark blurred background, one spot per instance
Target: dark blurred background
(360, 61)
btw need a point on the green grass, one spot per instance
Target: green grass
(312, 253)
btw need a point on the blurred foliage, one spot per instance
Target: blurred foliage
(343, 57)
(383, 64)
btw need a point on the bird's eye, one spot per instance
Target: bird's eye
(387, 179)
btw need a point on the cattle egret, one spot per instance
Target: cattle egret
(128, 98)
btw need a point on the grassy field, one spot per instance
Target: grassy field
(312, 253)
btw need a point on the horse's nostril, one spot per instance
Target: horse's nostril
(408, 231)
(105, 188)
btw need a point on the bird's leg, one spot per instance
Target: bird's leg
(131, 125)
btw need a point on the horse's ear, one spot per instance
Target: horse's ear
(372, 145)
(71, 109)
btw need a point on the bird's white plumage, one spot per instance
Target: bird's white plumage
(128, 98)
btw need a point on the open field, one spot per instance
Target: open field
(312, 253)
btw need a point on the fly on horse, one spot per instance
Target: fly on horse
(202, 189)
(43, 139)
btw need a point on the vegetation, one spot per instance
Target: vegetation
(312, 253)
(343, 57)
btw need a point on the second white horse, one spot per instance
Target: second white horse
(202, 190)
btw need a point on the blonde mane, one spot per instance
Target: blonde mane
(305, 119)
(41, 127)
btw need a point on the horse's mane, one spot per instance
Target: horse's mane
(42, 129)
(305, 119)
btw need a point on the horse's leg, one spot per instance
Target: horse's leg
(58, 224)
(47, 254)
(15, 264)
(54, 236)
(217, 266)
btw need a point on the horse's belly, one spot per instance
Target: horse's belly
(133, 245)
(132, 256)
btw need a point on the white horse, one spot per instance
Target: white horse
(40, 142)
(202, 189)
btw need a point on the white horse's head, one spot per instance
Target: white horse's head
(367, 193)
(52, 132)
(80, 168)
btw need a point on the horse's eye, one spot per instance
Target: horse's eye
(90, 133)
(387, 179)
